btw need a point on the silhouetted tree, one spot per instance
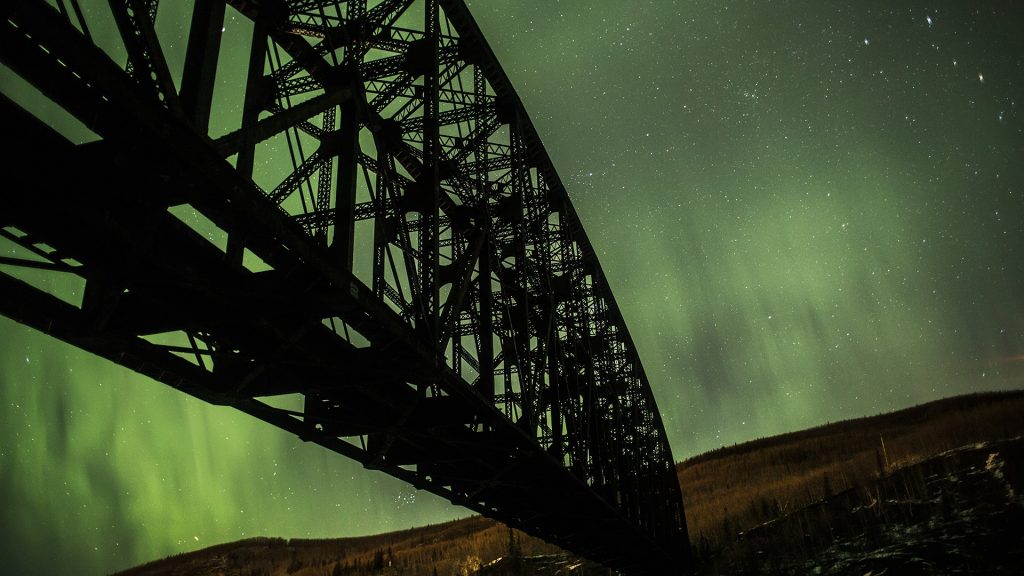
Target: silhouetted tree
(378, 559)
(513, 544)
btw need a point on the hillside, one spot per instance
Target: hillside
(457, 547)
(732, 489)
(727, 491)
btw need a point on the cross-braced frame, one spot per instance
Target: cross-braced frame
(395, 249)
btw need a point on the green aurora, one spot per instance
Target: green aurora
(808, 211)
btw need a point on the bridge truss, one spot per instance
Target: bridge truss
(380, 235)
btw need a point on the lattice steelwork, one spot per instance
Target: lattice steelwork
(382, 236)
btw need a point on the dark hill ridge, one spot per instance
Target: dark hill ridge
(956, 513)
(448, 548)
(736, 488)
(727, 491)
(896, 421)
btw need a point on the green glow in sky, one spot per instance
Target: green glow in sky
(808, 211)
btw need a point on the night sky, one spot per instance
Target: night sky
(807, 211)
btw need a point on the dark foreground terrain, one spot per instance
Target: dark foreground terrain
(961, 512)
(932, 490)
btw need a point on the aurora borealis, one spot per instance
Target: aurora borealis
(808, 211)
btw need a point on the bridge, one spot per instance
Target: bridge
(377, 255)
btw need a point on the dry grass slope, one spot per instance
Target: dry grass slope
(733, 489)
(457, 547)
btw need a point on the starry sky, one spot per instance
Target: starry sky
(808, 211)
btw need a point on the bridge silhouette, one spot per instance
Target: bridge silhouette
(379, 257)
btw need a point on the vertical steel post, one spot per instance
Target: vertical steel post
(199, 77)
(430, 179)
(255, 99)
(345, 192)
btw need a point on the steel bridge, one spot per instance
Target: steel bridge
(362, 241)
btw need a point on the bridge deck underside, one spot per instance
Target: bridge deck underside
(383, 379)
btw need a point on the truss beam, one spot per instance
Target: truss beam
(423, 279)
